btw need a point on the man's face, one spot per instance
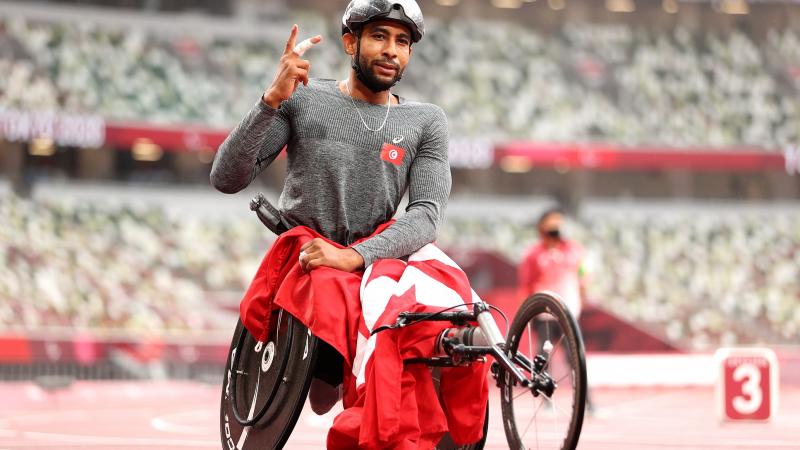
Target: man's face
(385, 51)
(550, 225)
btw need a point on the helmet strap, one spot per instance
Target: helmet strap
(355, 62)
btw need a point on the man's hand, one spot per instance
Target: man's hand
(318, 252)
(292, 70)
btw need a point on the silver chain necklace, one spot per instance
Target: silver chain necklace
(388, 107)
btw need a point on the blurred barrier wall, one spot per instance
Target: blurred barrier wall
(81, 355)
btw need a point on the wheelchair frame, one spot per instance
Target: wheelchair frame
(461, 345)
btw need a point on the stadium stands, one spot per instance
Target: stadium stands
(699, 276)
(702, 277)
(91, 265)
(586, 82)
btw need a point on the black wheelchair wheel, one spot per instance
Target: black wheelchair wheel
(447, 441)
(266, 384)
(536, 418)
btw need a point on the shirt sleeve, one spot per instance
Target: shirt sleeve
(251, 147)
(428, 190)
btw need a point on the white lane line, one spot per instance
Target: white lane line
(716, 442)
(167, 422)
(166, 426)
(644, 402)
(77, 413)
(117, 440)
(35, 394)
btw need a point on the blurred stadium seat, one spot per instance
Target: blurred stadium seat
(701, 277)
(120, 267)
(620, 83)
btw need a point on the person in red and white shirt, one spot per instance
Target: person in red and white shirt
(554, 264)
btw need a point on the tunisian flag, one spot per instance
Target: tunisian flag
(387, 404)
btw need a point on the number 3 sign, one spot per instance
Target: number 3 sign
(747, 388)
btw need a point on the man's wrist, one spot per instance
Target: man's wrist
(270, 100)
(356, 259)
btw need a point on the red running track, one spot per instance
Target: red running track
(183, 415)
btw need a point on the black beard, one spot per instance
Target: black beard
(366, 75)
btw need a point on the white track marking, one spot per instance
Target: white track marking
(117, 441)
(166, 422)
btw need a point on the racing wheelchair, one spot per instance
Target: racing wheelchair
(539, 367)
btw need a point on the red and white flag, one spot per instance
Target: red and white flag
(393, 154)
(436, 281)
(394, 408)
(388, 404)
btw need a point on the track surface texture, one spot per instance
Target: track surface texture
(184, 415)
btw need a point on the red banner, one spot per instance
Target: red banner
(171, 138)
(609, 157)
(524, 154)
(87, 350)
(15, 349)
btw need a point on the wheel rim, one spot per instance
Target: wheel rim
(282, 388)
(545, 422)
(257, 397)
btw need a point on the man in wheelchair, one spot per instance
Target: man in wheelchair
(353, 150)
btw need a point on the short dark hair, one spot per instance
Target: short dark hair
(549, 212)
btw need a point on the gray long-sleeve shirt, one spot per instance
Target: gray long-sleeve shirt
(343, 180)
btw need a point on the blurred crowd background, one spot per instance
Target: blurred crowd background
(102, 266)
(694, 249)
(625, 82)
(700, 278)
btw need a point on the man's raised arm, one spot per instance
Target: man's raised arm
(265, 130)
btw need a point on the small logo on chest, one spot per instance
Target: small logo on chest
(392, 153)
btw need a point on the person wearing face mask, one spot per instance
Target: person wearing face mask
(555, 264)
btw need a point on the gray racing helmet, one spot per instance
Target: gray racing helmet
(359, 12)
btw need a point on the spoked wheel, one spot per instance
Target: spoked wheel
(266, 384)
(447, 441)
(545, 342)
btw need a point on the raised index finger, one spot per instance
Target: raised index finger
(292, 40)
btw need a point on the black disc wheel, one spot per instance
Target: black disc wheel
(546, 344)
(266, 384)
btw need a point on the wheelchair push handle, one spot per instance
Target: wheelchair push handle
(269, 215)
